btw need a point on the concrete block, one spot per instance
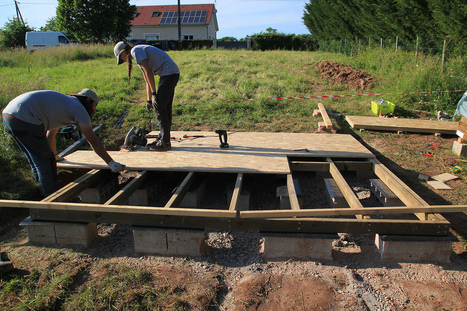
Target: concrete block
(382, 192)
(415, 248)
(102, 191)
(169, 242)
(459, 149)
(46, 232)
(334, 195)
(145, 194)
(195, 195)
(294, 245)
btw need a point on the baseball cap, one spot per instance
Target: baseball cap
(119, 47)
(89, 94)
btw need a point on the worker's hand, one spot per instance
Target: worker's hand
(115, 167)
(155, 100)
(58, 158)
(149, 105)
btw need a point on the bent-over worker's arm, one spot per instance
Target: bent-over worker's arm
(148, 74)
(95, 143)
(51, 138)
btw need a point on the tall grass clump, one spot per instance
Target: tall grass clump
(406, 72)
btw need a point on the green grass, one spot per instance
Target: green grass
(211, 88)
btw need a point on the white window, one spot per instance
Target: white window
(151, 36)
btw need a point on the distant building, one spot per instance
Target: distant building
(160, 22)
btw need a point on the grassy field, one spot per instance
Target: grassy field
(212, 86)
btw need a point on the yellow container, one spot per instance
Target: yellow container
(379, 109)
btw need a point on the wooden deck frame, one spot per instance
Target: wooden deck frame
(429, 221)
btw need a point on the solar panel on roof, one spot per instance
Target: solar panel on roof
(188, 17)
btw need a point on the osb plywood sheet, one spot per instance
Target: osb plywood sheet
(402, 125)
(249, 152)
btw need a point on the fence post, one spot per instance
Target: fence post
(416, 49)
(444, 52)
(381, 42)
(397, 43)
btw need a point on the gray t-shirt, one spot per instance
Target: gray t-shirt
(157, 59)
(52, 109)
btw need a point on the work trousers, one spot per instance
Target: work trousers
(32, 141)
(163, 109)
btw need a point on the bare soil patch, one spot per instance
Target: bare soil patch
(345, 75)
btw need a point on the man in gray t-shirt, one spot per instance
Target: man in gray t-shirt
(33, 119)
(153, 61)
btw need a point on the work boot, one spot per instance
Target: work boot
(160, 146)
(6, 266)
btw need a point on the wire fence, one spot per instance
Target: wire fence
(428, 45)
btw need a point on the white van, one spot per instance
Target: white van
(42, 40)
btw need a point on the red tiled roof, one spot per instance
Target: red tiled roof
(144, 13)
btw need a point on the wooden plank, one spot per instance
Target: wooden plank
(121, 196)
(294, 205)
(403, 192)
(402, 125)
(248, 153)
(236, 193)
(177, 197)
(349, 195)
(323, 212)
(126, 209)
(438, 185)
(308, 225)
(72, 189)
(326, 119)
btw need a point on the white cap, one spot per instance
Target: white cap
(119, 47)
(89, 94)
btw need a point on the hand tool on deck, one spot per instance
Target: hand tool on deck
(193, 136)
(222, 138)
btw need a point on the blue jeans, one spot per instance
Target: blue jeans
(32, 141)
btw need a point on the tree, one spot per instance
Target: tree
(14, 34)
(50, 24)
(228, 39)
(450, 17)
(95, 20)
(271, 30)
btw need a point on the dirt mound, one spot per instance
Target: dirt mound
(346, 75)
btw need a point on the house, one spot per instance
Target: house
(160, 22)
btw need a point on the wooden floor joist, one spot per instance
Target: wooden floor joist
(349, 195)
(75, 187)
(294, 205)
(403, 192)
(122, 195)
(236, 193)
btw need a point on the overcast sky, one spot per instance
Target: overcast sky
(236, 18)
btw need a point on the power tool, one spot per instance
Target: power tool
(222, 138)
(135, 138)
